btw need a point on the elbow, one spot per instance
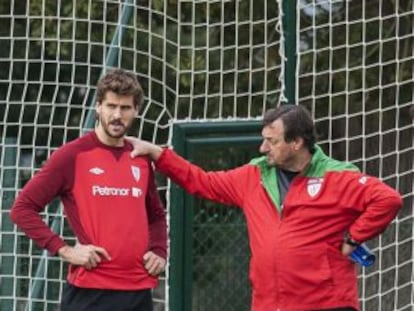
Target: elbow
(399, 202)
(17, 213)
(391, 199)
(13, 215)
(395, 203)
(396, 200)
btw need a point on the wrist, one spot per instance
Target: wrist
(350, 241)
(63, 251)
(156, 153)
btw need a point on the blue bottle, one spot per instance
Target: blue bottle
(363, 255)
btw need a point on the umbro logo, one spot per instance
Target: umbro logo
(96, 171)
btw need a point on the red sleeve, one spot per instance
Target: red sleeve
(227, 187)
(379, 207)
(156, 219)
(48, 183)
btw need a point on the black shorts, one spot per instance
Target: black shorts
(87, 299)
(338, 309)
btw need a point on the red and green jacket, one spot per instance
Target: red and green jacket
(296, 261)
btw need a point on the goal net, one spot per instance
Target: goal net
(206, 60)
(195, 59)
(355, 73)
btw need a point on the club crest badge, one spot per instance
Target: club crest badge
(136, 172)
(314, 186)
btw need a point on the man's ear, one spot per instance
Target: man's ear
(98, 107)
(298, 143)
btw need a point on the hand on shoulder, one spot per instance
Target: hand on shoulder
(142, 148)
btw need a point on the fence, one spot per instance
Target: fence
(349, 62)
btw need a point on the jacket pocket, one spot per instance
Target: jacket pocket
(306, 274)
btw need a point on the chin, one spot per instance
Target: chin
(116, 135)
(270, 162)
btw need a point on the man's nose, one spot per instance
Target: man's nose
(117, 113)
(264, 147)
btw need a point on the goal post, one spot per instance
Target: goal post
(349, 62)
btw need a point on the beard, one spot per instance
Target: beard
(113, 133)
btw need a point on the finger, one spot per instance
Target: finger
(102, 252)
(153, 270)
(153, 265)
(92, 263)
(347, 249)
(147, 256)
(157, 267)
(131, 140)
(134, 153)
(95, 257)
(150, 263)
(163, 264)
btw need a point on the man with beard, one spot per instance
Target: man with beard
(111, 204)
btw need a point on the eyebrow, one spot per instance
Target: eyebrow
(271, 139)
(122, 105)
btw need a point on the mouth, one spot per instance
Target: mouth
(117, 125)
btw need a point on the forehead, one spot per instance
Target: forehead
(113, 98)
(274, 129)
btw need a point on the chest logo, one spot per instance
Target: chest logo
(136, 172)
(96, 170)
(363, 180)
(314, 186)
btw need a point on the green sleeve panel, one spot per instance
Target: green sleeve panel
(269, 180)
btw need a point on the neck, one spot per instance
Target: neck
(304, 162)
(108, 140)
(301, 163)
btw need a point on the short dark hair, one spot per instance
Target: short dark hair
(120, 82)
(297, 122)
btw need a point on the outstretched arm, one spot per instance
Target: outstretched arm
(227, 187)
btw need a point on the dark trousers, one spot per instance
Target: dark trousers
(338, 309)
(86, 299)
